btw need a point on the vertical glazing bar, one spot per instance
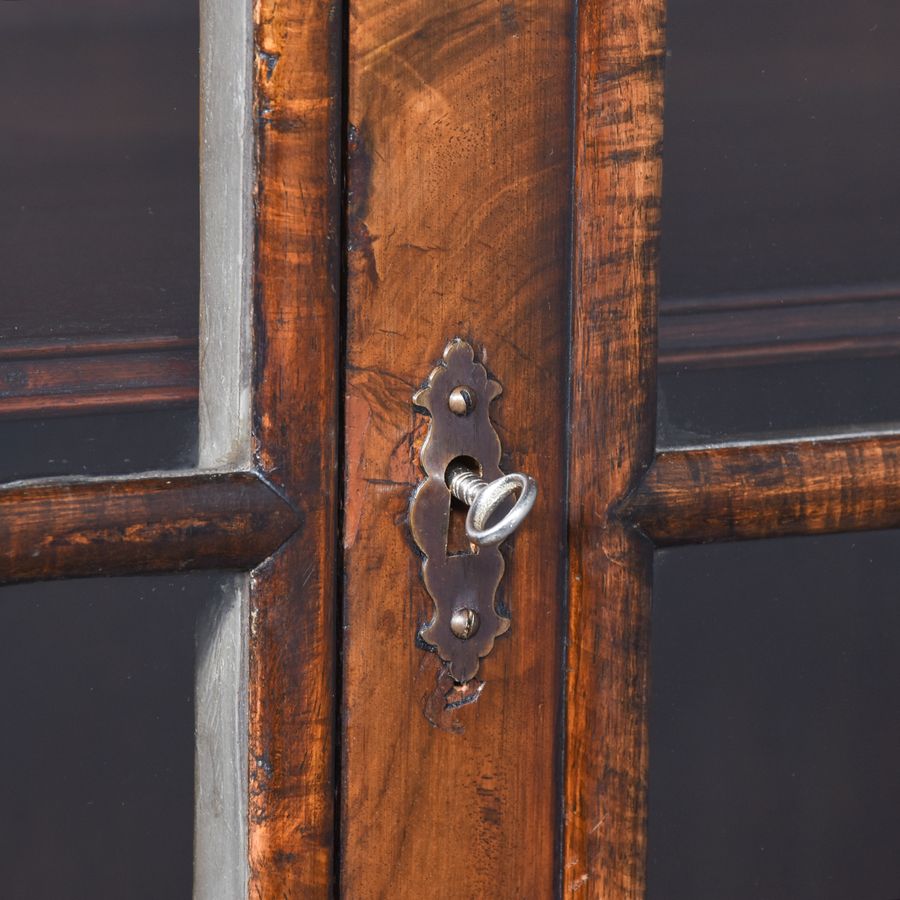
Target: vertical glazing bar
(618, 127)
(269, 401)
(295, 427)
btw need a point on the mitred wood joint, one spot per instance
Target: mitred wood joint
(65, 528)
(735, 492)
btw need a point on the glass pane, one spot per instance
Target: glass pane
(99, 150)
(98, 757)
(781, 212)
(98, 445)
(827, 396)
(99, 220)
(774, 721)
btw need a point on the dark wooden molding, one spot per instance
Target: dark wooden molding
(132, 372)
(780, 326)
(619, 83)
(90, 375)
(63, 528)
(295, 421)
(814, 486)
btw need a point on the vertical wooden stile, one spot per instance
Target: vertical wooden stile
(295, 413)
(620, 45)
(458, 224)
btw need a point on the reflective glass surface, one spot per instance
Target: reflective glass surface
(837, 396)
(99, 226)
(97, 760)
(781, 213)
(774, 721)
(98, 167)
(112, 444)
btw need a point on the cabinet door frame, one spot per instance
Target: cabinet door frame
(626, 496)
(266, 501)
(263, 502)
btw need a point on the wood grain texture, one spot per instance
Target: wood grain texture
(769, 489)
(617, 201)
(160, 523)
(90, 375)
(458, 222)
(295, 420)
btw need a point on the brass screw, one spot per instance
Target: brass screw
(462, 400)
(464, 623)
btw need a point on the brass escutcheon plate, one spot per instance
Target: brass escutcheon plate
(463, 586)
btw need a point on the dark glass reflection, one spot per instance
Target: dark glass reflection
(829, 396)
(112, 444)
(99, 235)
(96, 764)
(774, 721)
(99, 219)
(781, 145)
(781, 213)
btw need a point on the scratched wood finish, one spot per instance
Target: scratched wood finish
(458, 177)
(63, 528)
(617, 193)
(769, 489)
(295, 420)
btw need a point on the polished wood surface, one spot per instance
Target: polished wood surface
(617, 192)
(62, 528)
(458, 221)
(769, 489)
(295, 421)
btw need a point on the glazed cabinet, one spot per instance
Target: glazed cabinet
(449, 449)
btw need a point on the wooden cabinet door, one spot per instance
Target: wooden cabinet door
(107, 260)
(380, 178)
(502, 186)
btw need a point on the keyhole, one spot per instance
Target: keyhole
(458, 543)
